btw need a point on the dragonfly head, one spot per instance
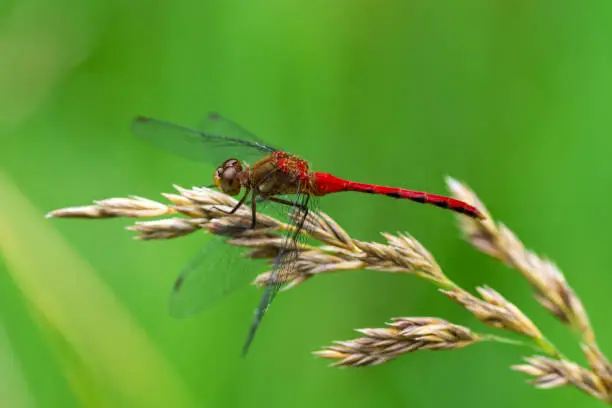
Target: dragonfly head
(227, 177)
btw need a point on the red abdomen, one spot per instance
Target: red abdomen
(325, 183)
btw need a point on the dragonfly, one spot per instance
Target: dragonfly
(275, 176)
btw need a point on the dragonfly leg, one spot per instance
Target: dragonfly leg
(305, 209)
(254, 210)
(237, 206)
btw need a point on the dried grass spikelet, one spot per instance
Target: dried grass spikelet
(551, 288)
(553, 373)
(494, 310)
(498, 241)
(114, 207)
(599, 364)
(402, 254)
(403, 335)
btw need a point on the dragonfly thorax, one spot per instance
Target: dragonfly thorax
(228, 177)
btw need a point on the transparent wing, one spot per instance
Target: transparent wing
(216, 124)
(214, 273)
(196, 145)
(285, 263)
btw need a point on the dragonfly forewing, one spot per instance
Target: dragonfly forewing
(216, 124)
(197, 145)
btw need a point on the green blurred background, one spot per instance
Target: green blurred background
(511, 96)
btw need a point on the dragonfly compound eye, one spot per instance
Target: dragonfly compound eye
(232, 163)
(227, 177)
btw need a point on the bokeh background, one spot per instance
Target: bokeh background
(512, 97)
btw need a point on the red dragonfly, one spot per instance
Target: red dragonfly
(273, 176)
